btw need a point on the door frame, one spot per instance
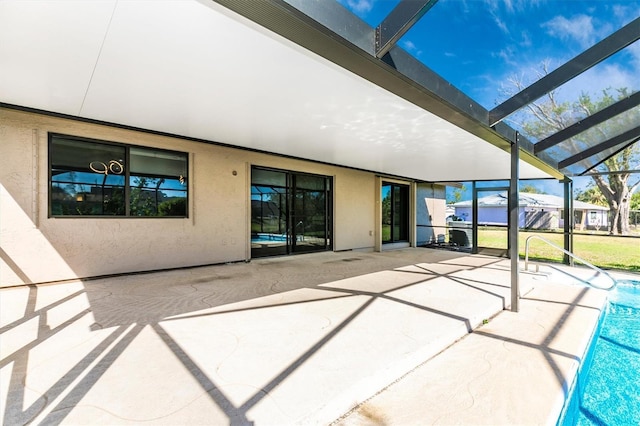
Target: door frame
(378, 245)
(289, 203)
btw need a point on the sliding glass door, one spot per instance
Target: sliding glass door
(395, 213)
(290, 212)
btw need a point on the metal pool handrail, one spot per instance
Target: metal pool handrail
(568, 253)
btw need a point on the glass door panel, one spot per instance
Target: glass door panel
(386, 213)
(400, 213)
(395, 213)
(268, 213)
(309, 214)
(493, 220)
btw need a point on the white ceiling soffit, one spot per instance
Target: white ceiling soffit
(195, 69)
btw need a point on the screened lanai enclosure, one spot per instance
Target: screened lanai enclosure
(442, 101)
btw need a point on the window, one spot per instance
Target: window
(95, 178)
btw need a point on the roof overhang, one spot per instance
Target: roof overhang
(201, 70)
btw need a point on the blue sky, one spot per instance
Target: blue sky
(482, 45)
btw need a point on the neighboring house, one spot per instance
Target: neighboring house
(537, 211)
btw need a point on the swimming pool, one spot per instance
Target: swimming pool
(610, 378)
(262, 238)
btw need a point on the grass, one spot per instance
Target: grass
(601, 250)
(386, 232)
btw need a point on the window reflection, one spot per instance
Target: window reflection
(85, 179)
(157, 183)
(90, 178)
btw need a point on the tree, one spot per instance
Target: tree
(386, 209)
(592, 195)
(616, 187)
(635, 201)
(531, 189)
(550, 115)
(457, 194)
(173, 207)
(145, 196)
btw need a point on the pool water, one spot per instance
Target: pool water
(612, 383)
(268, 237)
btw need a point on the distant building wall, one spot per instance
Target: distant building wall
(490, 215)
(537, 218)
(597, 219)
(493, 215)
(529, 218)
(464, 213)
(541, 219)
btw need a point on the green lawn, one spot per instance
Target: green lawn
(604, 251)
(386, 232)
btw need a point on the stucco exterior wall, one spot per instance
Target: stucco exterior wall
(430, 213)
(35, 248)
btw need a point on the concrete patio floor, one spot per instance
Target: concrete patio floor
(310, 339)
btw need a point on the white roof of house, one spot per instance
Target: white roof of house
(530, 200)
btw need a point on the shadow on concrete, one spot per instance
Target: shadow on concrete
(116, 310)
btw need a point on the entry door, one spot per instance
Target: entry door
(395, 213)
(290, 212)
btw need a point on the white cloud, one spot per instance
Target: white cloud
(500, 23)
(512, 6)
(634, 51)
(609, 74)
(409, 45)
(496, 10)
(526, 39)
(507, 55)
(625, 12)
(597, 79)
(494, 5)
(579, 28)
(360, 6)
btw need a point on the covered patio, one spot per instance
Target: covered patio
(124, 318)
(298, 340)
(294, 79)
